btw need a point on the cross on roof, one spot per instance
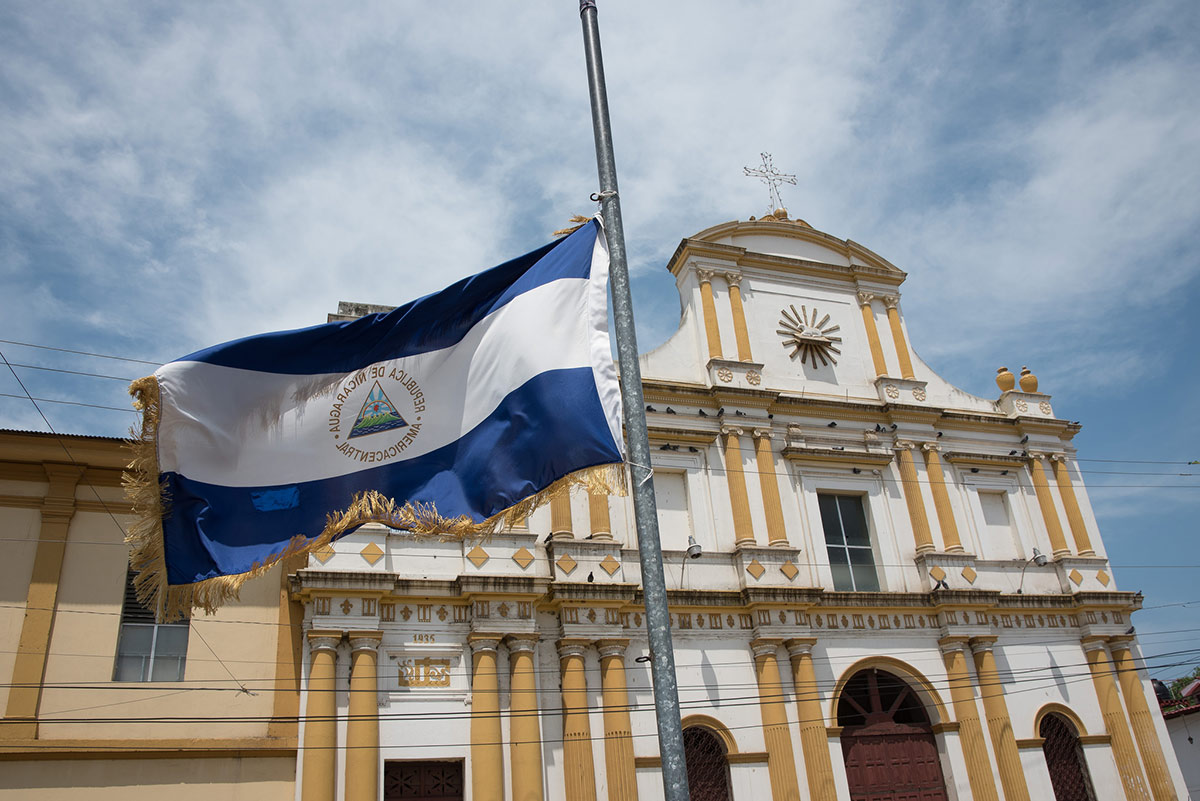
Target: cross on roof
(772, 178)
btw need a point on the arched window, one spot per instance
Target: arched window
(1064, 759)
(707, 765)
(887, 740)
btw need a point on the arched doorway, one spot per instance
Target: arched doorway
(707, 765)
(887, 741)
(1064, 759)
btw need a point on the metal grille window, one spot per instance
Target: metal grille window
(148, 651)
(848, 543)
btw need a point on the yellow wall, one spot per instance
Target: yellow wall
(257, 779)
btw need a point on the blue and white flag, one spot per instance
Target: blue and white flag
(454, 414)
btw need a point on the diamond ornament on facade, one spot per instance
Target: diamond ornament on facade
(372, 553)
(755, 568)
(523, 558)
(610, 565)
(566, 564)
(478, 556)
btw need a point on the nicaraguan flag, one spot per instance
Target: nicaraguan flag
(452, 414)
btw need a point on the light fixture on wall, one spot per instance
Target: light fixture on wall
(1038, 559)
(693, 550)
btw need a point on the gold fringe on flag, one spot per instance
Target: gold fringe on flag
(149, 499)
(579, 221)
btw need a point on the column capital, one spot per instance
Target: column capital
(572, 646)
(799, 646)
(364, 640)
(980, 645)
(865, 298)
(1058, 457)
(930, 447)
(1093, 643)
(890, 301)
(763, 433)
(765, 646)
(705, 276)
(736, 430)
(1120, 642)
(904, 445)
(482, 643)
(949, 645)
(612, 647)
(324, 640)
(518, 643)
(1040, 456)
(733, 278)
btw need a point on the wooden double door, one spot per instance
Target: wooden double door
(887, 741)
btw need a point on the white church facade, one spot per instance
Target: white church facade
(902, 591)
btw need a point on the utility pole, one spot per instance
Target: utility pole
(654, 585)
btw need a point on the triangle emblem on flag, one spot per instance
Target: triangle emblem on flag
(378, 414)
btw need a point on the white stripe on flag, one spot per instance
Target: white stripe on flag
(218, 433)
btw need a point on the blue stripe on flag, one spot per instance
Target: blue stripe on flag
(430, 323)
(213, 530)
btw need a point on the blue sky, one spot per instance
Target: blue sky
(174, 175)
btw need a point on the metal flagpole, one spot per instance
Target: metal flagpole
(654, 585)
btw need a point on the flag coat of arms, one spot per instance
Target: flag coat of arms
(453, 415)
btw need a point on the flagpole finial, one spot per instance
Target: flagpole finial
(773, 179)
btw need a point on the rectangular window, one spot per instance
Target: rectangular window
(148, 651)
(848, 543)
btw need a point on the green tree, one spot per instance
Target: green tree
(1178, 684)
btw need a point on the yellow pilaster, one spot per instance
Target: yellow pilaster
(709, 310)
(1062, 475)
(1115, 725)
(560, 517)
(966, 713)
(1144, 732)
(618, 732)
(912, 496)
(579, 771)
(743, 528)
(781, 760)
(598, 515)
(941, 498)
(769, 481)
(864, 300)
(289, 654)
(991, 691)
(893, 312)
(318, 779)
(29, 664)
(524, 729)
(362, 727)
(487, 749)
(814, 739)
(739, 317)
(1058, 543)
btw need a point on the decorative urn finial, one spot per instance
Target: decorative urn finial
(1005, 379)
(1029, 382)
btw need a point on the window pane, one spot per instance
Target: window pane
(130, 668)
(829, 519)
(853, 520)
(840, 568)
(862, 564)
(172, 642)
(135, 639)
(167, 668)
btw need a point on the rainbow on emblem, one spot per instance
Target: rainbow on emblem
(378, 414)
